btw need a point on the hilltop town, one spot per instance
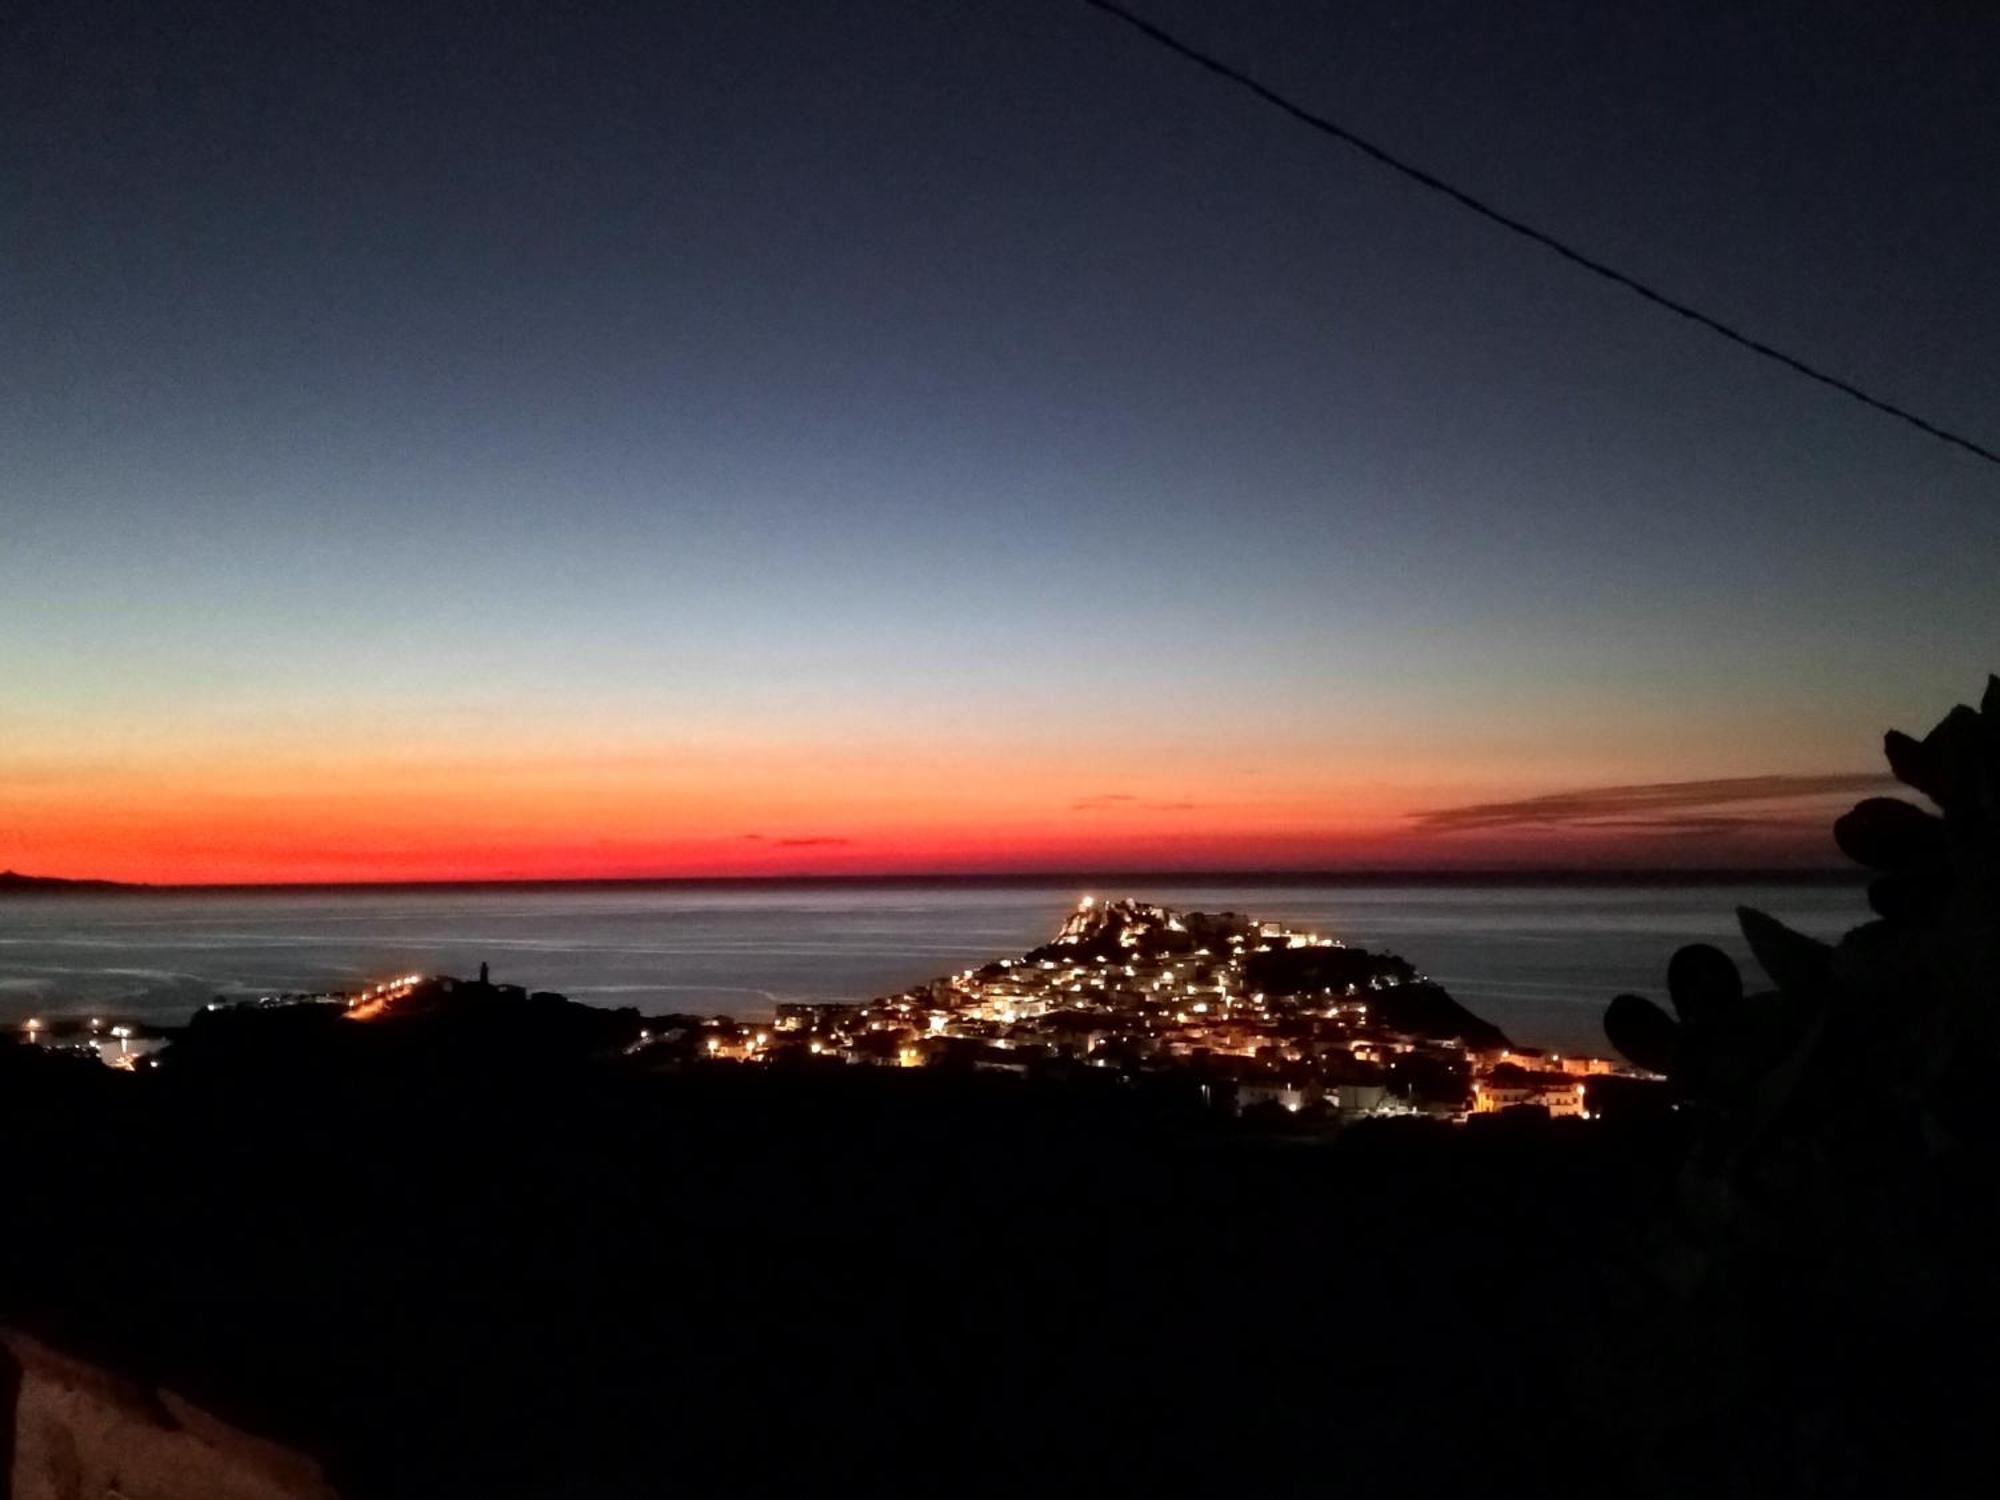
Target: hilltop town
(1254, 1014)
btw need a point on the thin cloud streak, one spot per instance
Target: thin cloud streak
(1126, 802)
(1647, 806)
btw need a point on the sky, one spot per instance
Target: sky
(505, 440)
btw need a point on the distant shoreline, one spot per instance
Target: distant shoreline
(14, 883)
(1108, 880)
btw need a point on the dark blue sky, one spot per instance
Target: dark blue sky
(933, 386)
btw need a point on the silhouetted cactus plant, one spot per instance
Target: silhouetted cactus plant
(1837, 1219)
(1883, 1042)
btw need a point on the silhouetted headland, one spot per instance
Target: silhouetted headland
(13, 883)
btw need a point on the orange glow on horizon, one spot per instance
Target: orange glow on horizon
(416, 816)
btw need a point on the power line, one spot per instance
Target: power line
(1541, 237)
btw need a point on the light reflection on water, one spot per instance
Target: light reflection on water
(1540, 961)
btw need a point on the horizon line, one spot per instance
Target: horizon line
(1489, 875)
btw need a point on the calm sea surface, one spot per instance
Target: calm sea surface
(1540, 961)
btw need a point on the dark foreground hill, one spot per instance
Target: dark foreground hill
(546, 1276)
(502, 1267)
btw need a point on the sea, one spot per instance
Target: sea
(1539, 960)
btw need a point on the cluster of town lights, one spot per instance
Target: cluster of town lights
(1178, 995)
(1138, 988)
(373, 1001)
